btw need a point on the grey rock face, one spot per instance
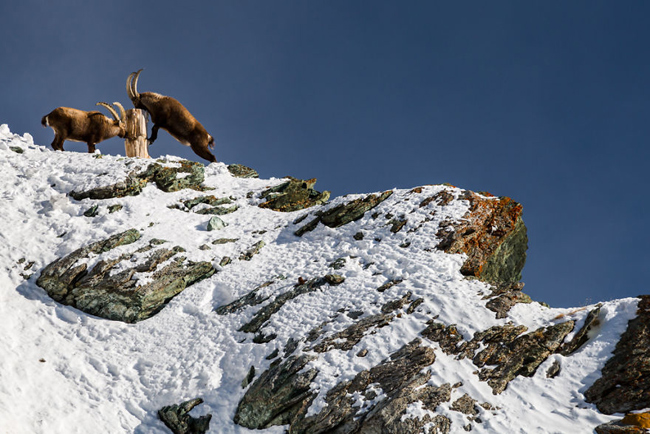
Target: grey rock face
(177, 419)
(625, 382)
(345, 213)
(118, 297)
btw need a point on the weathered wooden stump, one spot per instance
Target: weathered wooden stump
(135, 142)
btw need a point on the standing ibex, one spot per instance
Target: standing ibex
(82, 126)
(170, 115)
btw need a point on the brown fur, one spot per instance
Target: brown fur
(170, 115)
(81, 126)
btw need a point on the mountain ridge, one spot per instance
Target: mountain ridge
(398, 293)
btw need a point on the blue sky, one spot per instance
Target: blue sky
(544, 102)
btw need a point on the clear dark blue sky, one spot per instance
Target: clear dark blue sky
(545, 102)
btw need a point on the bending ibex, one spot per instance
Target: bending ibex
(82, 126)
(170, 115)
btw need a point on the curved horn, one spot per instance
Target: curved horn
(122, 112)
(133, 82)
(110, 109)
(128, 86)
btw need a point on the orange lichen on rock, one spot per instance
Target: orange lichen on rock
(492, 235)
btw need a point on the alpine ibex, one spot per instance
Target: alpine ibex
(170, 115)
(82, 126)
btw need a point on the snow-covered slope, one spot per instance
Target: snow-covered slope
(64, 371)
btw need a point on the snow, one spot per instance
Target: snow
(64, 371)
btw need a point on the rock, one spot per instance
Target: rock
(168, 179)
(92, 211)
(293, 195)
(252, 251)
(249, 377)
(132, 185)
(114, 208)
(520, 357)
(619, 428)
(215, 224)
(17, 149)
(250, 299)
(504, 297)
(504, 354)
(225, 240)
(278, 394)
(493, 236)
(177, 419)
(401, 382)
(338, 264)
(466, 405)
(265, 313)
(115, 295)
(282, 396)
(625, 382)
(582, 336)
(345, 213)
(241, 171)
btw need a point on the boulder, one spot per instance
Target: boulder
(118, 296)
(293, 195)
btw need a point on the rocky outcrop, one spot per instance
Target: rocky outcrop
(241, 171)
(506, 353)
(493, 236)
(282, 396)
(344, 213)
(114, 295)
(293, 195)
(187, 174)
(177, 418)
(625, 382)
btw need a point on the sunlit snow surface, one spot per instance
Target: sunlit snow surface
(63, 371)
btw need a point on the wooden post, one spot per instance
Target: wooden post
(135, 142)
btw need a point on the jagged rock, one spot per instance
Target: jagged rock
(265, 313)
(504, 297)
(293, 195)
(250, 299)
(389, 284)
(278, 394)
(625, 382)
(399, 379)
(493, 236)
(344, 213)
(117, 297)
(225, 240)
(218, 210)
(215, 224)
(177, 419)
(466, 405)
(92, 211)
(132, 185)
(114, 208)
(554, 370)
(249, 377)
(166, 178)
(618, 427)
(241, 171)
(582, 336)
(282, 396)
(254, 250)
(17, 149)
(505, 351)
(521, 357)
